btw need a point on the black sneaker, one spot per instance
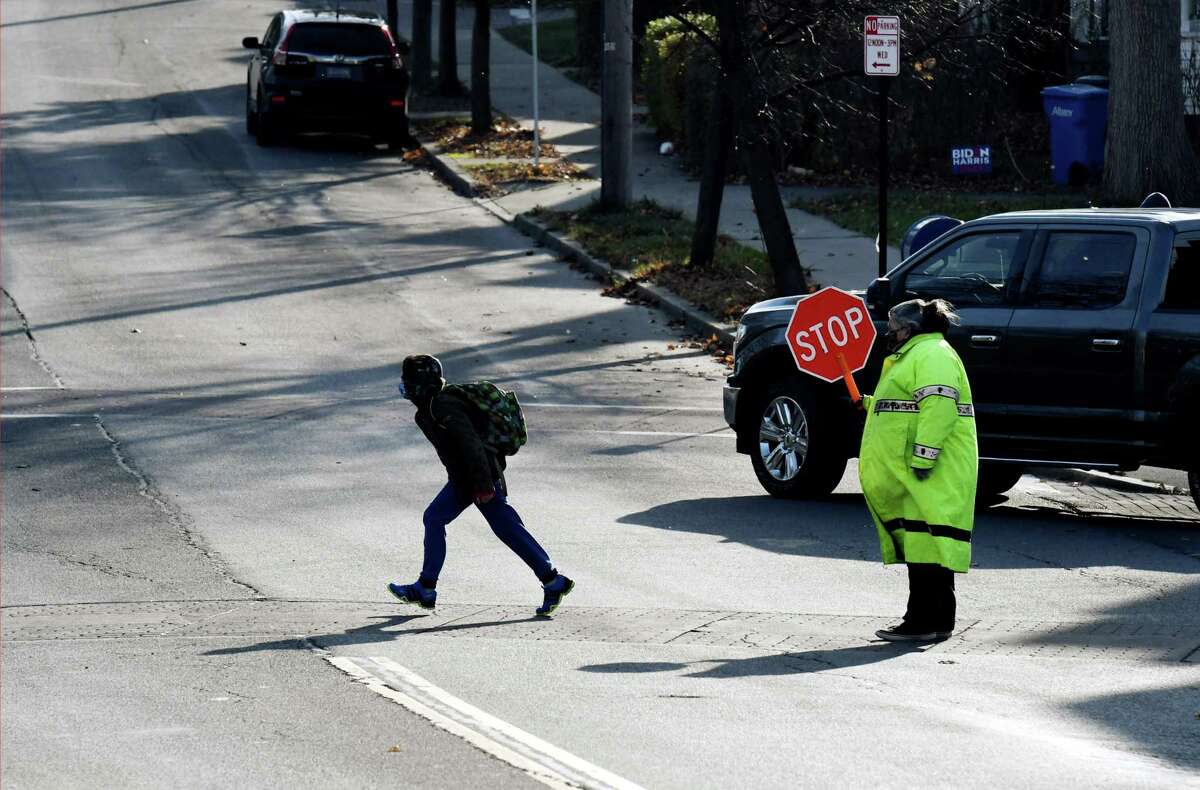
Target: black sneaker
(414, 593)
(555, 591)
(907, 633)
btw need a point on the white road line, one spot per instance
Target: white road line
(538, 759)
(29, 389)
(45, 416)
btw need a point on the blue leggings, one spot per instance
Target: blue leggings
(450, 502)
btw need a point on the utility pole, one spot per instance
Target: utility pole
(616, 106)
(393, 17)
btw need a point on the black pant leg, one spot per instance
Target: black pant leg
(948, 604)
(918, 612)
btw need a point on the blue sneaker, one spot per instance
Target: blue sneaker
(413, 593)
(555, 591)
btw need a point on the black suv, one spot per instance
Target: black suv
(331, 71)
(1080, 334)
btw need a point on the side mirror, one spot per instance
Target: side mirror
(879, 295)
(251, 42)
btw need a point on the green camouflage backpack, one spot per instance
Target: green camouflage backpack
(505, 430)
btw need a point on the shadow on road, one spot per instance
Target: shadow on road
(839, 527)
(371, 633)
(761, 666)
(104, 12)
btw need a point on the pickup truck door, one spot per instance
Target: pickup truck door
(1173, 352)
(979, 273)
(1073, 356)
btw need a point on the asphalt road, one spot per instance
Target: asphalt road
(209, 478)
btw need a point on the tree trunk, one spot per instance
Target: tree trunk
(1148, 148)
(421, 54)
(448, 84)
(481, 53)
(754, 142)
(718, 141)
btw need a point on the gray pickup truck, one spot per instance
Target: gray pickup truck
(1080, 334)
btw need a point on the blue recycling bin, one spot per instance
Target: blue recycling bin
(1078, 117)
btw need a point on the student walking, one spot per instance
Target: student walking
(455, 425)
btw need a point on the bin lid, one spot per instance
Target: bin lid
(1080, 92)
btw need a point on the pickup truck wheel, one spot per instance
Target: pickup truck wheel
(1194, 485)
(995, 479)
(798, 453)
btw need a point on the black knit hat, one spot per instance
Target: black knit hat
(422, 376)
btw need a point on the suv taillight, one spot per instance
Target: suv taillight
(280, 58)
(397, 62)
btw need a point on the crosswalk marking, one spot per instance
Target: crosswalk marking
(540, 760)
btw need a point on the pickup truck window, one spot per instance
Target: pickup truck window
(1083, 270)
(975, 270)
(1183, 282)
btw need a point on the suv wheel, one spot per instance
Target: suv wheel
(251, 114)
(798, 452)
(995, 479)
(265, 133)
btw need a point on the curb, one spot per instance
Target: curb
(695, 319)
(455, 176)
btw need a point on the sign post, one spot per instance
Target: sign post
(830, 336)
(537, 142)
(881, 58)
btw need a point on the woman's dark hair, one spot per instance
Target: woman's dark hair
(936, 315)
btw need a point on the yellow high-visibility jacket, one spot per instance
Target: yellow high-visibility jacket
(921, 416)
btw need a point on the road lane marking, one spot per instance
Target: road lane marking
(45, 416)
(29, 389)
(529, 754)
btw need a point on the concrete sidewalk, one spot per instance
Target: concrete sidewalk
(570, 119)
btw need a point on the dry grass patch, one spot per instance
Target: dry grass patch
(506, 139)
(654, 243)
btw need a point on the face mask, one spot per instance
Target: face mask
(892, 341)
(403, 390)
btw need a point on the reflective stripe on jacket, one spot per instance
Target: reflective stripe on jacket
(921, 416)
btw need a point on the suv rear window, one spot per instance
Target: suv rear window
(317, 38)
(1083, 269)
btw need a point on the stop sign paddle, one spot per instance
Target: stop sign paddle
(830, 336)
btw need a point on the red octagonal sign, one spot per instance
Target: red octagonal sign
(825, 325)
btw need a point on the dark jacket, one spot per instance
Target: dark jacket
(453, 427)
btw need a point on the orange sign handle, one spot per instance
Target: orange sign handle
(848, 377)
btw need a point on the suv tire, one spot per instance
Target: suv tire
(813, 458)
(251, 114)
(265, 131)
(995, 479)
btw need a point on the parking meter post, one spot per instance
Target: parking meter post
(848, 377)
(882, 242)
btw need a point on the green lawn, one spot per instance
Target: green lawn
(858, 212)
(654, 243)
(556, 40)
